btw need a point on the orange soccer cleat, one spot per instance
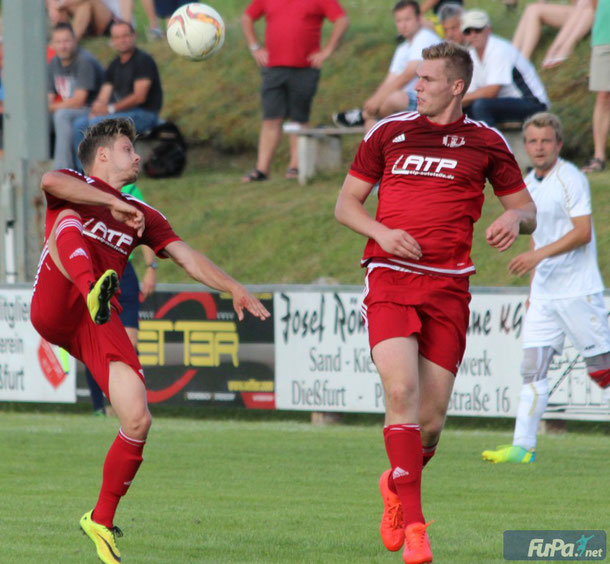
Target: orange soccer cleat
(417, 544)
(392, 528)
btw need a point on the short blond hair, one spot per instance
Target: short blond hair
(545, 119)
(458, 62)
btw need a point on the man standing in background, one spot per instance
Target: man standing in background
(290, 62)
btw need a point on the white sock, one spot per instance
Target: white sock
(532, 403)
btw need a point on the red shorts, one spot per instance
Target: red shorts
(435, 308)
(59, 313)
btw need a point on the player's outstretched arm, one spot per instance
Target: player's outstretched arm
(201, 268)
(350, 211)
(72, 189)
(519, 217)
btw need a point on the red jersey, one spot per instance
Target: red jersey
(431, 185)
(110, 242)
(293, 28)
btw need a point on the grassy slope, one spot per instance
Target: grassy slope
(276, 492)
(280, 232)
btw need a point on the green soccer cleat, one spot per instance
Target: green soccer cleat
(509, 453)
(98, 300)
(103, 538)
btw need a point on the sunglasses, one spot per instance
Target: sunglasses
(470, 30)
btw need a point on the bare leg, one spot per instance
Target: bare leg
(128, 398)
(101, 16)
(528, 31)
(601, 124)
(149, 10)
(294, 153)
(270, 137)
(396, 102)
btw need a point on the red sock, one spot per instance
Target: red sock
(403, 445)
(73, 254)
(122, 463)
(428, 453)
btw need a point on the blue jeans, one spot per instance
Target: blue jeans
(143, 120)
(498, 110)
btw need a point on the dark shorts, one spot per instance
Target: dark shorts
(165, 8)
(129, 298)
(434, 308)
(287, 92)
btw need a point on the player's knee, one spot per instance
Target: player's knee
(431, 428)
(535, 363)
(66, 213)
(138, 424)
(399, 395)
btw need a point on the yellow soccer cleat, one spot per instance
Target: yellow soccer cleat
(98, 300)
(103, 538)
(509, 453)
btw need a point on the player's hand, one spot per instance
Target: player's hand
(400, 243)
(128, 214)
(316, 59)
(523, 263)
(261, 56)
(242, 299)
(501, 234)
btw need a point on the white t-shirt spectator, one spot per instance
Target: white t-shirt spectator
(503, 64)
(562, 194)
(411, 51)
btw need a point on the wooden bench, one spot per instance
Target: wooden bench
(319, 149)
(513, 133)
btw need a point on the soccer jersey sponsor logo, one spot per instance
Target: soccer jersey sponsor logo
(421, 165)
(453, 141)
(111, 237)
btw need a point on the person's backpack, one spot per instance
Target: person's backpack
(164, 152)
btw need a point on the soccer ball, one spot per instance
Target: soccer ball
(195, 31)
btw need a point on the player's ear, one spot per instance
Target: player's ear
(458, 87)
(102, 154)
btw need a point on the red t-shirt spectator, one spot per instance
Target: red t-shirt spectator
(293, 29)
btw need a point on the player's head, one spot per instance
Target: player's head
(123, 37)
(543, 138)
(450, 18)
(407, 17)
(64, 41)
(107, 150)
(444, 76)
(476, 28)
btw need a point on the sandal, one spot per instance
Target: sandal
(292, 173)
(595, 165)
(255, 176)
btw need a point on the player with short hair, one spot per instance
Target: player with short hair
(91, 229)
(566, 294)
(431, 166)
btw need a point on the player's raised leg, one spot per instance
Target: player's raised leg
(128, 399)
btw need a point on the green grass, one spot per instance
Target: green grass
(215, 491)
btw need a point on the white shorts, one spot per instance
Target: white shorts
(583, 320)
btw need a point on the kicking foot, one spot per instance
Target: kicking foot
(417, 544)
(510, 453)
(103, 538)
(392, 528)
(100, 294)
(595, 165)
(255, 176)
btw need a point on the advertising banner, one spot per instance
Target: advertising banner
(30, 368)
(194, 349)
(323, 361)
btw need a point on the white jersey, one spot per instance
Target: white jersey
(503, 64)
(411, 50)
(561, 195)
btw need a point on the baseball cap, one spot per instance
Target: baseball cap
(477, 19)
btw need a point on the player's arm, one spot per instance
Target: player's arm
(350, 211)
(74, 190)
(579, 235)
(519, 217)
(202, 269)
(490, 91)
(340, 26)
(149, 281)
(259, 53)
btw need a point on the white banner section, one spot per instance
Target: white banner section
(323, 361)
(30, 368)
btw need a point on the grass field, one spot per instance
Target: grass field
(214, 491)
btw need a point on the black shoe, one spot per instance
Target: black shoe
(350, 118)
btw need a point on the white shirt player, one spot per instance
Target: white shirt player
(562, 194)
(503, 64)
(411, 50)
